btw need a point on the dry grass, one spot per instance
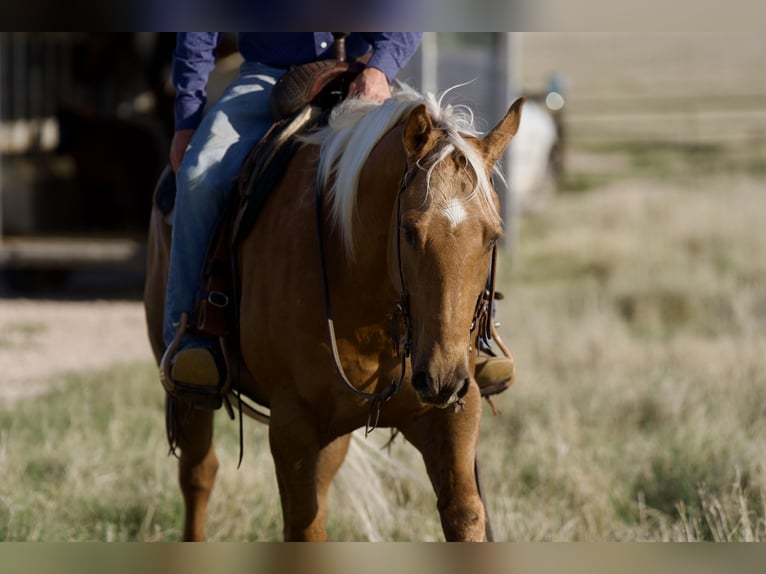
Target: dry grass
(636, 314)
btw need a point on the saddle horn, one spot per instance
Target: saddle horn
(340, 45)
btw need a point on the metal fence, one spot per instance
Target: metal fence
(35, 77)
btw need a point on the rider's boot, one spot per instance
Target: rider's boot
(494, 374)
(193, 369)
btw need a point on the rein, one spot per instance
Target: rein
(482, 315)
(402, 311)
(482, 318)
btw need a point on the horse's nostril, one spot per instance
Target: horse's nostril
(420, 383)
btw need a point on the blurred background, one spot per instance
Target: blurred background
(86, 120)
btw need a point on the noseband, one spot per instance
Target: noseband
(401, 316)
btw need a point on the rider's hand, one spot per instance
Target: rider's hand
(178, 147)
(370, 84)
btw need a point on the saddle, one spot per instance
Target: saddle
(323, 84)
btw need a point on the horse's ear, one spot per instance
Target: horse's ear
(497, 140)
(419, 134)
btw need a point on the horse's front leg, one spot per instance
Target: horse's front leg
(447, 440)
(197, 467)
(331, 458)
(304, 471)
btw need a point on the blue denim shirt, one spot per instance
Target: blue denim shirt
(195, 55)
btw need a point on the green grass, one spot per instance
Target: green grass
(90, 462)
(83, 463)
(682, 162)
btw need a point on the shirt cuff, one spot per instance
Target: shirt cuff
(188, 114)
(385, 63)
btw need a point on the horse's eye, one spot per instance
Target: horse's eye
(410, 234)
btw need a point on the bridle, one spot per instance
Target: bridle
(401, 322)
(402, 309)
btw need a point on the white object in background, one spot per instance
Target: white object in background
(532, 179)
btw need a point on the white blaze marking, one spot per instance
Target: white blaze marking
(454, 212)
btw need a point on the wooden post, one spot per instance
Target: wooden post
(506, 62)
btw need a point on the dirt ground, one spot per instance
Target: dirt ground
(43, 339)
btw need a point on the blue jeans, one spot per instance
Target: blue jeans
(205, 180)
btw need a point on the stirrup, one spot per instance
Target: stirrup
(197, 377)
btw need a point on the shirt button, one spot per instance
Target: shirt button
(323, 45)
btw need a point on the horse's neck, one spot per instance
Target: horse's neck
(363, 282)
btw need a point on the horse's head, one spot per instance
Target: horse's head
(446, 225)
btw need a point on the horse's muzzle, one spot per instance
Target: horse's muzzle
(440, 392)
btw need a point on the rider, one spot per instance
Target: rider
(207, 153)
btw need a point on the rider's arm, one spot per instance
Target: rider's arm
(392, 50)
(193, 60)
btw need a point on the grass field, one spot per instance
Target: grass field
(636, 309)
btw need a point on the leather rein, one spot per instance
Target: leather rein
(402, 310)
(482, 319)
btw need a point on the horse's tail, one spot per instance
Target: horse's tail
(368, 483)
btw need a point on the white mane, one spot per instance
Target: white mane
(355, 127)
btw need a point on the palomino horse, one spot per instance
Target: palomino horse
(411, 222)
